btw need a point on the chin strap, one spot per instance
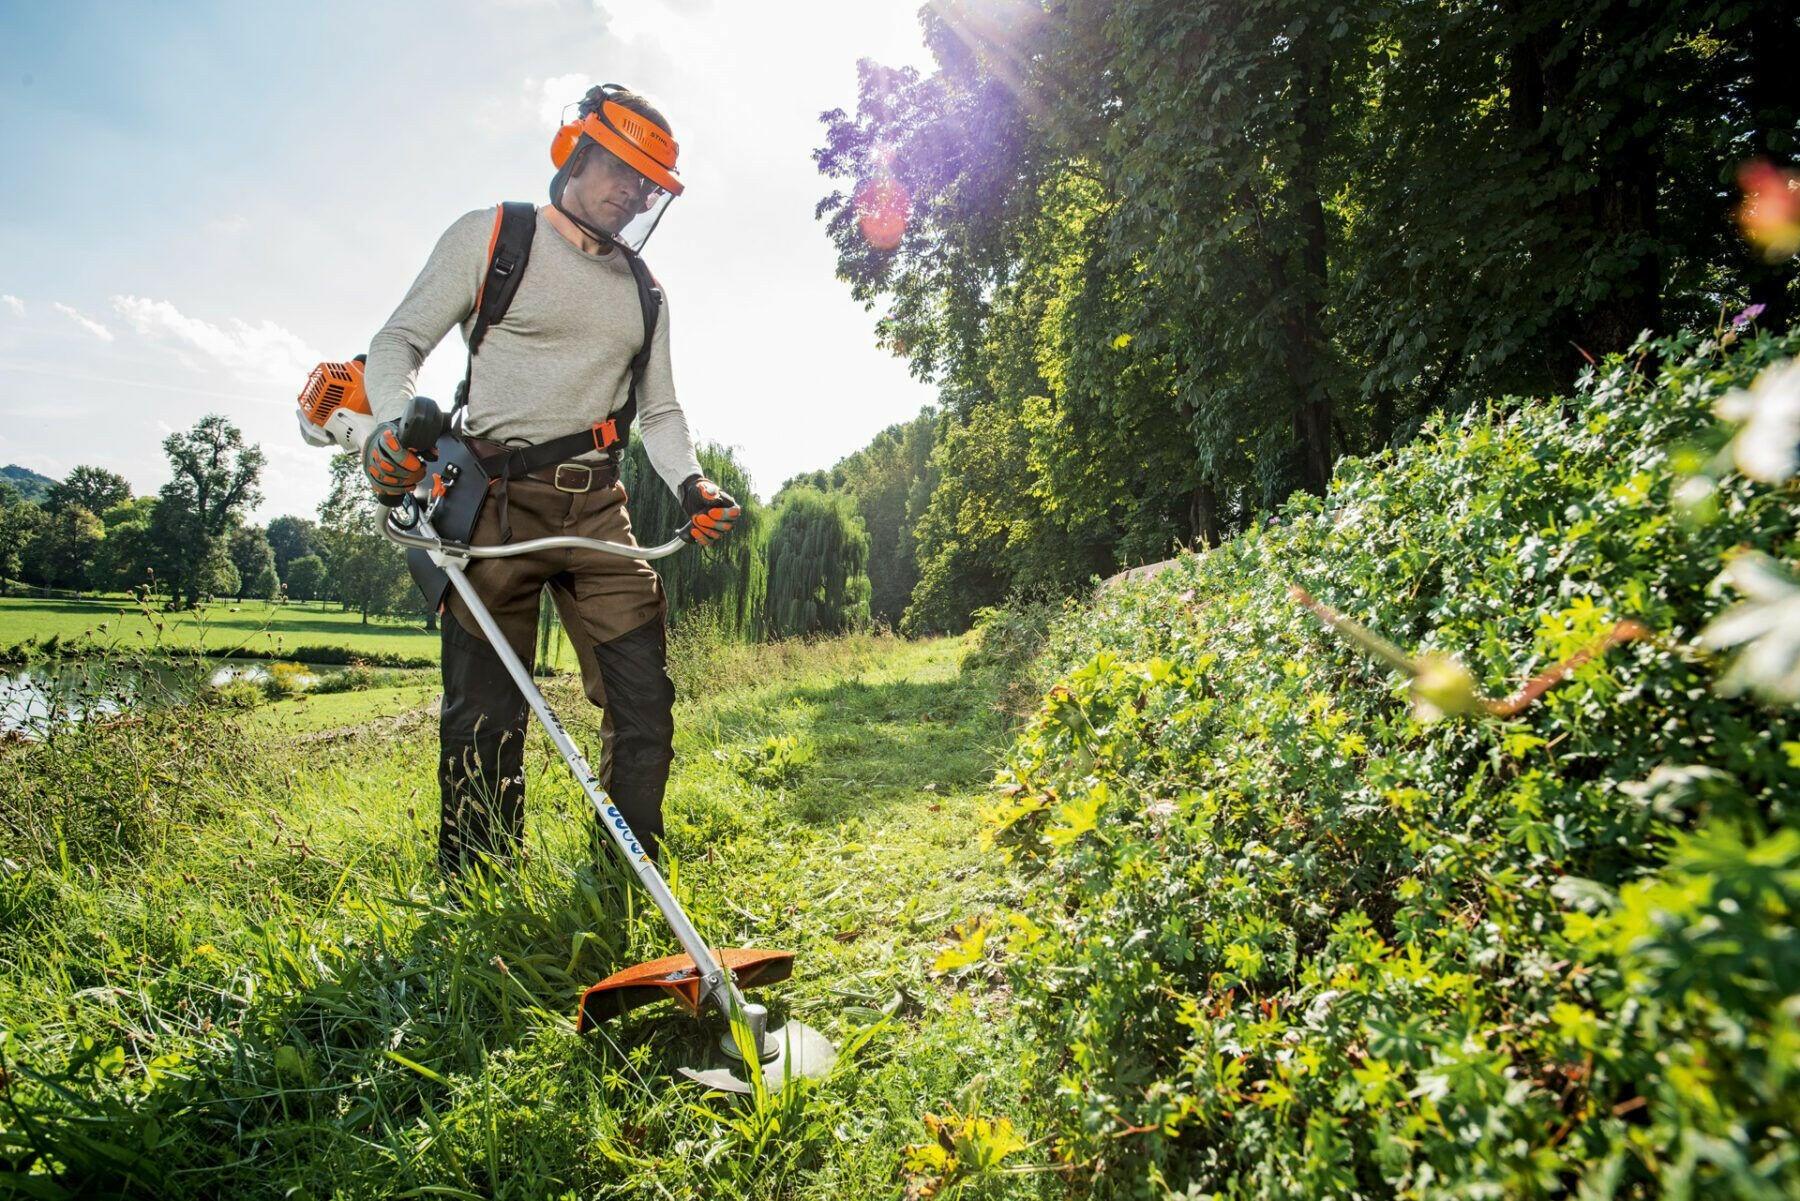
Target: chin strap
(600, 236)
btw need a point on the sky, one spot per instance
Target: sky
(199, 201)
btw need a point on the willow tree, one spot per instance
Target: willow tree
(727, 578)
(818, 565)
(890, 480)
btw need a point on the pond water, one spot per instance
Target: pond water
(38, 698)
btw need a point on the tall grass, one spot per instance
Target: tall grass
(227, 967)
(705, 657)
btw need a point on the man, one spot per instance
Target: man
(559, 363)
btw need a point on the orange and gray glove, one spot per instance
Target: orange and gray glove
(392, 468)
(711, 510)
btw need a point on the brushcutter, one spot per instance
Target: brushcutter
(702, 976)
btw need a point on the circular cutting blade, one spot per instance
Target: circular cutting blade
(799, 1051)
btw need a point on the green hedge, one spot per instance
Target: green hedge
(1284, 939)
(33, 650)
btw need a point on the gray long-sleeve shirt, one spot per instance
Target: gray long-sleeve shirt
(557, 363)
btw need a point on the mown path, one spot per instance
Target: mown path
(864, 863)
(298, 1009)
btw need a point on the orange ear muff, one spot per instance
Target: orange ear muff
(563, 144)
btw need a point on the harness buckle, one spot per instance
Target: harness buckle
(606, 435)
(587, 477)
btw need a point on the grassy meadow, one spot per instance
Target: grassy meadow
(229, 968)
(254, 628)
(338, 711)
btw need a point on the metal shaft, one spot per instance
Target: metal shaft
(715, 983)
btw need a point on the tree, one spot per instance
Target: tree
(292, 538)
(255, 563)
(129, 555)
(1185, 253)
(128, 512)
(93, 488)
(367, 572)
(192, 566)
(19, 520)
(62, 549)
(306, 578)
(818, 557)
(215, 478)
(889, 480)
(730, 577)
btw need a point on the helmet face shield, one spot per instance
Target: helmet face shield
(616, 197)
(615, 170)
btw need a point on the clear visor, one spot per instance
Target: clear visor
(613, 196)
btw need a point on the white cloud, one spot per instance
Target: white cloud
(549, 97)
(88, 323)
(256, 353)
(644, 18)
(13, 304)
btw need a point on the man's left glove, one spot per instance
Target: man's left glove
(710, 509)
(392, 469)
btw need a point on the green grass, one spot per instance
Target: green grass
(249, 627)
(341, 711)
(243, 979)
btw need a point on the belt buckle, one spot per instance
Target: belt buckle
(587, 477)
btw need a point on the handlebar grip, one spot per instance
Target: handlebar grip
(422, 425)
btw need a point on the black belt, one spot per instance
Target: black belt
(504, 462)
(551, 463)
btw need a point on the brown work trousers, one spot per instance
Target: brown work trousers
(613, 610)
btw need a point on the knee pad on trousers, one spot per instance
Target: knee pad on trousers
(641, 700)
(634, 667)
(478, 692)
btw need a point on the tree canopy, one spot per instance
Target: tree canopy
(93, 488)
(215, 478)
(1166, 261)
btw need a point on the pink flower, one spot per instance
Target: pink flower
(1747, 316)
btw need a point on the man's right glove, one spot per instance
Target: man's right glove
(710, 509)
(392, 469)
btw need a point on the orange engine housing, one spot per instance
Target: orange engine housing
(333, 386)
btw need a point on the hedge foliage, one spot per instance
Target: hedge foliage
(1287, 939)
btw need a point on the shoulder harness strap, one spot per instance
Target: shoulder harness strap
(509, 249)
(650, 300)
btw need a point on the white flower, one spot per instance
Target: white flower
(1766, 626)
(1765, 448)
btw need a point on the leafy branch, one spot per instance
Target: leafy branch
(1442, 686)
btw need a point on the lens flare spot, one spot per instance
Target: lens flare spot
(1769, 214)
(882, 207)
